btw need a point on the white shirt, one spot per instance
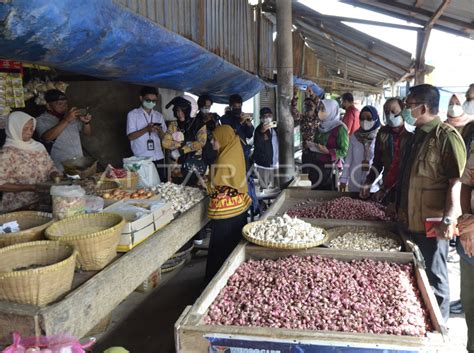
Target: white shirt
(137, 119)
(352, 174)
(68, 144)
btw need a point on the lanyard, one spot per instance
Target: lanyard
(151, 120)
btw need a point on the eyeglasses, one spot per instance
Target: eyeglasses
(150, 100)
(409, 104)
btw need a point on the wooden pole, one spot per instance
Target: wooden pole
(285, 91)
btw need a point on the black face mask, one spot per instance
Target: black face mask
(236, 111)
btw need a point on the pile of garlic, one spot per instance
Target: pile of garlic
(365, 241)
(286, 230)
(181, 198)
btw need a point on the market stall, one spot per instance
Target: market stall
(196, 329)
(102, 283)
(360, 259)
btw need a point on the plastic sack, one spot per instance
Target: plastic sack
(94, 204)
(144, 166)
(68, 200)
(47, 344)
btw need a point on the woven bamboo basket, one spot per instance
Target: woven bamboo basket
(276, 245)
(32, 225)
(130, 182)
(36, 286)
(103, 187)
(95, 237)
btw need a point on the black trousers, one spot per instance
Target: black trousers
(225, 235)
(162, 170)
(435, 253)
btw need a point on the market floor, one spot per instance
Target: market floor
(145, 323)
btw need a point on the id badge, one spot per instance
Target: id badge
(150, 145)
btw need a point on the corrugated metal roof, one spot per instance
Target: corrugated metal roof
(351, 57)
(458, 17)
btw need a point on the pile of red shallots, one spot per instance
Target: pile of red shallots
(320, 293)
(341, 208)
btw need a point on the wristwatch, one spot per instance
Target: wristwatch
(448, 221)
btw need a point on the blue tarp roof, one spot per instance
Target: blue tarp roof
(105, 40)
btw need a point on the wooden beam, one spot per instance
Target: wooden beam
(467, 30)
(423, 39)
(360, 47)
(318, 16)
(444, 5)
(346, 50)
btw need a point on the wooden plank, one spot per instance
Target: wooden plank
(17, 317)
(191, 338)
(82, 309)
(142, 7)
(151, 11)
(258, 252)
(430, 301)
(237, 257)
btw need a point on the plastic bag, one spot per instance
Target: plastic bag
(144, 166)
(68, 200)
(47, 344)
(94, 204)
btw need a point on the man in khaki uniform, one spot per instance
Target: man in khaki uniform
(430, 185)
(466, 247)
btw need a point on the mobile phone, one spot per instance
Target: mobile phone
(273, 124)
(82, 112)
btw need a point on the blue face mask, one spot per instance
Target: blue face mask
(406, 114)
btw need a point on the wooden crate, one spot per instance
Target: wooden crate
(291, 197)
(190, 330)
(95, 294)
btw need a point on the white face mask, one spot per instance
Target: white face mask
(206, 110)
(455, 110)
(367, 125)
(468, 107)
(394, 120)
(267, 120)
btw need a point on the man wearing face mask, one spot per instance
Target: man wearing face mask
(430, 175)
(391, 139)
(241, 123)
(211, 120)
(61, 127)
(145, 128)
(351, 117)
(468, 105)
(266, 147)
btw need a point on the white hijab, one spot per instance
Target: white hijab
(333, 118)
(15, 124)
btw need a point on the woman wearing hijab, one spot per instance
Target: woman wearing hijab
(24, 163)
(389, 144)
(361, 151)
(229, 199)
(185, 138)
(329, 146)
(461, 121)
